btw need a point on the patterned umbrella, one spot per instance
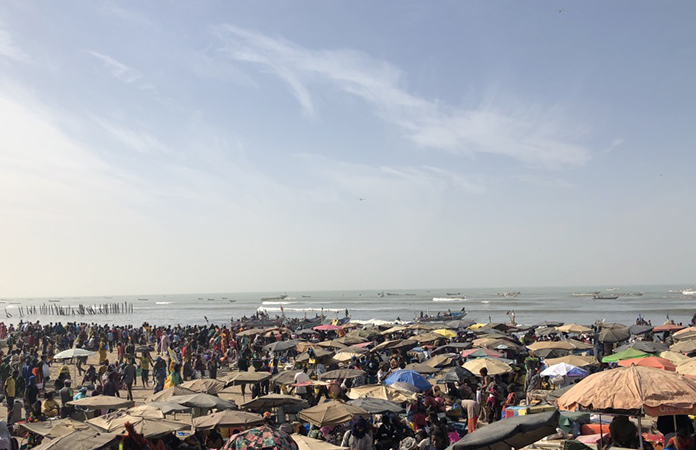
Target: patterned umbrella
(261, 438)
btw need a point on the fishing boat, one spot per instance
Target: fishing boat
(451, 294)
(441, 317)
(306, 296)
(232, 300)
(392, 294)
(689, 292)
(280, 297)
(605, 297)
(211, 299)
(380, 294)
(142, 299)
(54, 300)
(509, 294)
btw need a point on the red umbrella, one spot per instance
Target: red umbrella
(327, 327)
(650, 361)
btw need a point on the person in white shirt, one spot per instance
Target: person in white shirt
(301, 377)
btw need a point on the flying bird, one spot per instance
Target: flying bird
(561, 10)
(361, 199)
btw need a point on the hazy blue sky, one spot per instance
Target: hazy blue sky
(163, 147)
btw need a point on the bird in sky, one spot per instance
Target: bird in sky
(561, 10)
(361, 199)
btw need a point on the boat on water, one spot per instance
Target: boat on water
(509, 294)
(441, 317)
(585, 294)
(688, 292)
(54, 300)
(613, 289)
(232, 300)
(142, 299)
(451, 294)
(306, 296)
(392, 294)
(410, 295)
(211, 299)
(380, 294)
(606, 297)
(280, 297)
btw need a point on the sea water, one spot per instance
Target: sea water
(532, 305)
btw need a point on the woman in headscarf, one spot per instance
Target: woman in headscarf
(358, 437)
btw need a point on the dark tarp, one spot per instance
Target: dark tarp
(515, 432)
(644, 346)
(376, 405)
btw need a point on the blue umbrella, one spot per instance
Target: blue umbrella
(409, 376)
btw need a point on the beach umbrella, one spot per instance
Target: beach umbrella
(481, 353)
(327, 327)
(206, 385)
(318, 354)
(73, 353)
(342, 374)
(452, 347)
(264, 437)
(376, 405)
(494, 366)
(611, 326)
(116, 421)
(644, 346)
(551, 353)
(639, 329)
(102, 402)
(164, 407)
(547, 331)
(574, 328)
(512, 433)
(686, 333)
(379, 391)
(650, 361)
(280, 346)
(563, 370)
(285, 377)
(343, 357)
(542, 345)
(456, 375)
(421, 326)
(350, 339)
(422, 368)
(332, 413)
(427, 337)
(574, 360)
(668, 327)
(246, 377)
(203, 401)
(626, 354)
(611, 335)
(676, 358)
(410, 377)
(80, 440)
(631, 389)
(446, 333)
(367, 334)
(53, 429)
(307, 443)
(684, 346)
(271, 401)
(459, 324)
(443, 360)
(165, 395)
(394, 329)
(687, 367)
(228, 418)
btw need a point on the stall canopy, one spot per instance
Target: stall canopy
(332, 413)
(516, 432)
(632, 389)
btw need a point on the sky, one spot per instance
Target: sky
(216, 146)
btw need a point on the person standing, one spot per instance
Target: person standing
(145, 363)
(129, 378)
(66, 395)
(10, 391)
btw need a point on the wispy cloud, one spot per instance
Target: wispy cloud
(614, 144)
(534, 137)
(140, 141)
(9, 49)
(116, 68)
(544, 181)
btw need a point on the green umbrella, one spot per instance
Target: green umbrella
(626, 354)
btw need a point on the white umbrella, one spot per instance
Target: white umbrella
(563, 370)
(73, 353)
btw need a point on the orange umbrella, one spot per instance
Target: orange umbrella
(669, 327)
(658, 392)
(650, 361)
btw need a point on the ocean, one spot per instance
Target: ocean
(531, 305)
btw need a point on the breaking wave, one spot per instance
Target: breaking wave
(449, 299)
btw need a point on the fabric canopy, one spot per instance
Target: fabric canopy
(650, 361)
(493, 365)
(307, 443)
(633, 388)
(331, 413)
(626, 354)
(380, 391)
(227, 418)
(410, 377)
(377, 406)
(516, 432)
(102, 402)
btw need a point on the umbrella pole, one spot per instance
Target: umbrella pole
(601, 432)
(640, 433)
(676, 438)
